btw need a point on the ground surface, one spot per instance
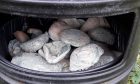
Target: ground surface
(134, 77)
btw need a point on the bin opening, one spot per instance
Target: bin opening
(120, 25)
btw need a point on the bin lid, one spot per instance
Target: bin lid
(67, 8)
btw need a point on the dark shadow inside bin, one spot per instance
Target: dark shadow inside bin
(121, 26)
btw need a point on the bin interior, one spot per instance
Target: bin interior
(121, 26)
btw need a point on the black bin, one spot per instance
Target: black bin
(122, 15)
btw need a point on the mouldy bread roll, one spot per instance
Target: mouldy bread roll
(34, 61)
(14, 48)
(81, 21)
(73, 22)
(103, 22)
(56, 47)
(84, 57)
(102, 35)
(55, 52)
(35, 32)
(106, 58)
(56, 28)
(94, 22)
(21, 36)
(35, 44)
(74, 37)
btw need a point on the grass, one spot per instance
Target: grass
(134, 77)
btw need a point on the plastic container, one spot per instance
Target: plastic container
(67, 8)
(123, 15)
